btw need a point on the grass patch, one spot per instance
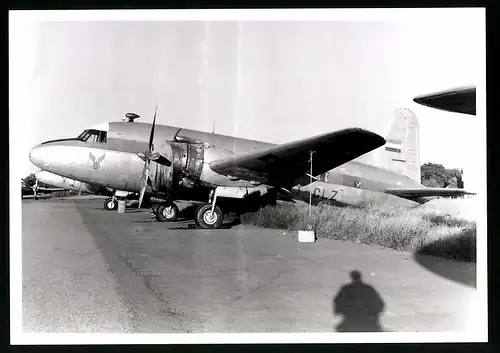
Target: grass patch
(412, 229)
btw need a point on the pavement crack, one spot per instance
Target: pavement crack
(259, 287)
(165, 303)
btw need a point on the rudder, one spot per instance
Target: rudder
(400, 154)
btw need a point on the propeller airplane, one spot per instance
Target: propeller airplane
(228, 174)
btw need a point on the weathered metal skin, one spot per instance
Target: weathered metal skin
(70, 184)
(121, 168)
(115, 164)
(113, 169)
(192, 151)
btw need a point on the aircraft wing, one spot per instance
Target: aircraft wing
(286, 165)
(457, 100)
(427, 192)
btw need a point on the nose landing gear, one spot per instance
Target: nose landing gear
(110, 204)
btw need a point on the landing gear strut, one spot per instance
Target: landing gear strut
(111, 204)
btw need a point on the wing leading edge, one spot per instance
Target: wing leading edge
(427, 192)
(287, 164)
(457, 100)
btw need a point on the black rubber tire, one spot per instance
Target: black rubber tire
(107, 206)
(203, 220)
(194, 216)
(163, 216)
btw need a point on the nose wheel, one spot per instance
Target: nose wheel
(167, 212)
(110, 204)
(205, 218)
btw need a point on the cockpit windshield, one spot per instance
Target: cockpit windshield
(92, 135)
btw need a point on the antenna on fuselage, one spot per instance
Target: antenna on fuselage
(310, 179)
(213, 129)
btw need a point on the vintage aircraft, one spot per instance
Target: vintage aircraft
(36, 190)
(457, 100)
(225, 173)
(80, 187)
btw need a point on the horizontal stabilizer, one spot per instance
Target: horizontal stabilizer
(286, 164)
(427, 192)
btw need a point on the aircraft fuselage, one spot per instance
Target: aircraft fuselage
(114, 163)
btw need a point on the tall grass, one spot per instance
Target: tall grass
(417, 230)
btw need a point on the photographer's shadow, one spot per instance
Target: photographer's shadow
(360, 305)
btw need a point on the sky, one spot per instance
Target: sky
(274, 81)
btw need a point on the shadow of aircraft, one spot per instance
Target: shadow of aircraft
(453, 258)
(360, 305)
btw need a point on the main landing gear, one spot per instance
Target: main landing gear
(167, 212)
(208, 216)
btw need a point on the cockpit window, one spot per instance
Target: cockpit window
(93, 136)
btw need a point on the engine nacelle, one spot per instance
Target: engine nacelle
(239, 192)
(188, 168)
(182, 168)
(244, 199)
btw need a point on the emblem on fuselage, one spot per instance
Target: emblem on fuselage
(96, 163)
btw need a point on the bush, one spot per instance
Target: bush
(413, 229)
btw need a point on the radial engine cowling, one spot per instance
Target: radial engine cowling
(179, 165)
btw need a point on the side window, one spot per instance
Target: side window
(102, 136)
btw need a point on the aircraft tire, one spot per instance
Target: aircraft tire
(204, 218)
(194, 217)
(167, 213)
(109, 205)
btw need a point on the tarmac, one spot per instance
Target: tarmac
(86, 269)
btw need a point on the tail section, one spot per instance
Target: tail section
(401, 151)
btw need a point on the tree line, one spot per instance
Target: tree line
(437, 176)
(30, 181)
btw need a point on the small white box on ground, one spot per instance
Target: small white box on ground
(121, 206)
(307, 236)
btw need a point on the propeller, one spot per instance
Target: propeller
(35, 189)
(147, 157)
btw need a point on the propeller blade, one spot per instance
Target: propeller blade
(147, 157)
(144, 182)
(35, 189)
(151, 136)
(141, 196)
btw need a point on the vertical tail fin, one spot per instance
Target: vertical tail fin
(401, 151)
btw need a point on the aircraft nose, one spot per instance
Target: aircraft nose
(43, 156)
(36, 156)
